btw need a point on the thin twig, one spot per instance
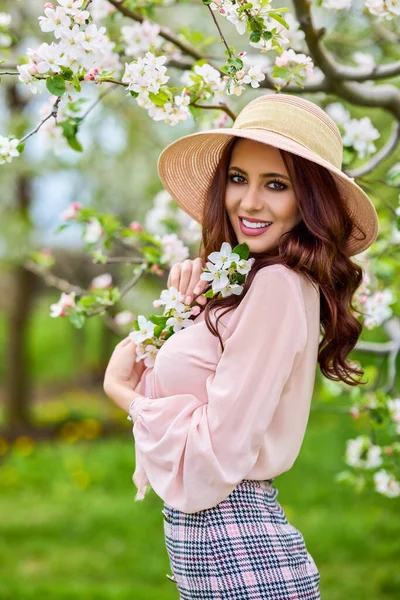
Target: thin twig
(53, 113)
(223, 107)
(221, 35)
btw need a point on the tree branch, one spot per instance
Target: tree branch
(386, 96)
(164, 33)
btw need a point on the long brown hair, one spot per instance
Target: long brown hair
(314, 248)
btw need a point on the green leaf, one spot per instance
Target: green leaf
(77, 320)
(159, 99)
(21, 147)
(76, 83)
(242, 249)
(56, 85)
(158, 320)
(62, 227)
(157, 330)
(209, 294)
(267, 35)
(134, 94)
(280, 72)
(255, 36)
(277, 17)
(67, 73)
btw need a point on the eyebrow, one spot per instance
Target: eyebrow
(263, 175)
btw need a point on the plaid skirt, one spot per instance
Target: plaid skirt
(243, 548)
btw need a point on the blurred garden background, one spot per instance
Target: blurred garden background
(69, 525)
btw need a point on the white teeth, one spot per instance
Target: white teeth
(254, 225)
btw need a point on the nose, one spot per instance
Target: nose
(252, 200)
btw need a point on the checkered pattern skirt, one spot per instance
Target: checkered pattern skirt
(243, 548)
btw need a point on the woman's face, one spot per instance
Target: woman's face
(259, 189)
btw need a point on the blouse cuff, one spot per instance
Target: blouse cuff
(135, 406)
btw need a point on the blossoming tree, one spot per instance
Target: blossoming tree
(178, 77)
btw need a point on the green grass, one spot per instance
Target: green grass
(70, 528)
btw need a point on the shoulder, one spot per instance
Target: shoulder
(280, 275)
(287, 279)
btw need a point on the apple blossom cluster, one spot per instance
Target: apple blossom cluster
(363, 454)
(383, 9)
(357, 134)
(8, 149)
(241, 17)
(227, 270)
(375, 305)
(150, 334)
(297, 64)
(83, 48)
(166, 211)
(140, 38)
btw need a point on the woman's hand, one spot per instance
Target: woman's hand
(122, 370)
(185, 277)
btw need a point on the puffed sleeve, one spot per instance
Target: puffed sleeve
(194, 453)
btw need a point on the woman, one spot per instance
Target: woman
(224, 410)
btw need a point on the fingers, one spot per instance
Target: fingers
(185, 277)
(197, 269)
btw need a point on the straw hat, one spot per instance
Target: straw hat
(291, 123)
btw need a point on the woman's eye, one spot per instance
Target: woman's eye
(232, 177)
(283, 185)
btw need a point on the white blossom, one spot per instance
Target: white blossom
(139, 37)
(54, 20)
(361, 453)
(360, 133)
(225, 257)
(65, 303)
(173, 249)
(386, 484)
(180, 320)
(5, 19)
(218, 276)
(146, 74)
(93, 231)
(124, 317)
(376, 307)
(102, 281)
(8, 149)
(145, 331)
(253, 76)
(147, 353)
(394, 410)
(338, 113)
(172, 299)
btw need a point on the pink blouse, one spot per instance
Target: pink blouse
(207, 420)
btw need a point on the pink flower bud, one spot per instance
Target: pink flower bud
(354, 412)
(240, 74)
(157, 304)
(222, 11)
(135, 226)
(196, 310)
(48, 5)
(88, 77)
(33, 69)
(241, 54)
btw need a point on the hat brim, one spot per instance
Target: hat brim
(186, 168)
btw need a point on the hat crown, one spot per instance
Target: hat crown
(296, 118)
